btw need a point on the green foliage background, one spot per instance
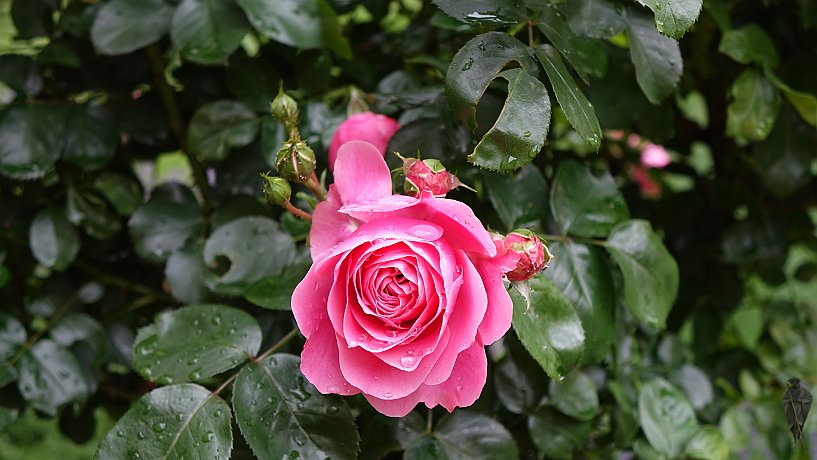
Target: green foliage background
(145, 284)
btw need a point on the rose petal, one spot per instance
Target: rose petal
(320, 365)
(361, 173)
(498, 316)
(309, 299)
(329, 227)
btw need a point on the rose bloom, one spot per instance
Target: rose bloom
(371, 127)
(403, 293)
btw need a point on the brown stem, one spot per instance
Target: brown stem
(297, 212)
(314, 186)
(530, 33)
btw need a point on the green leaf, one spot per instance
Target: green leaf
(21, 74)
(80, 327)
(556, 435)
(52, 239)
(594, 18)
(245, 251)
(12, 337)
(281, 415)
(674, 17)
(92, 213)
(185, 274)
(582, 273)
(577, 108)
(657, 59)
(123, 26)
(195, 342)
(585, 204)
(707, 444)
(549, 329)
(219, 126)
(667, 418)
(50, 376)
(91, 136)
(123, 193)
(749, 44)
(489, 12)
(164, 224)
(519, 387)
(586, 55)
(650, 272)
(804, 103)
(304, 24)
(782, 160)
(471, 436)
(474, 67)
(520, 131)
(520, 199)
(275, 292)
(175, 422)
(31, 138)
(751, 114)
(575, 396)
(207, 31)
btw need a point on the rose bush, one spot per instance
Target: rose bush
(373, 128)
(403, 293)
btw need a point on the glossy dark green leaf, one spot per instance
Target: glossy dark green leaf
(275, 292)
(92, 213)
(695, 384)
(163, 225)
(520, 199)
(52, 239)
(281, 415)
(707, 444)
(520, 131)
(80, 327)
(577, 108)
(575, 396)
(782, 160)
(489, 12)
(207, 31)
(180, 421)
(586, 55)
(556, 435)
(657, 59)
(292, 22)
(582, 273)
(31, 138)
(123, 26)
(185, 274)
(21, 74)
(674, 17)
(549, 329)
(650, 272)
(91, 136)
(244, 251)
(219, 126)
(123, 193)
(594, 18)
(667, 418)
(474, 67)
(585, 204)
(12, 337)
(471, 436)
(32, 18)
(754, 107)
(195, 342)
(50, 376)
(749, 44)
(519, 387)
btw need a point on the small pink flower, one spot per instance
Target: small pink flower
(533, 255)
(371, 127)
(654, 156)
(403, 293)
(648, 186)
(633, 141)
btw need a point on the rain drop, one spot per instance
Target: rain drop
(159, 427)
(209, 436)
(468, 64)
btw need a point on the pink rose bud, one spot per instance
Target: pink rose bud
(427, 176)
(371, 127)
(654, 156)
(648, 186)
(634, 140)
(534, 256)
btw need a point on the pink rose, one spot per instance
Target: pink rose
(371, 127)
(403, 293)
(654, 156)
(533, 255)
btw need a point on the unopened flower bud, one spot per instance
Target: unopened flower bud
(276, 190)
(427, 175)
(533, 255)
(295, 162)
(285, 110)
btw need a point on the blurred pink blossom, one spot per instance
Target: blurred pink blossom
(654, 156)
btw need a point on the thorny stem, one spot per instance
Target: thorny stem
(297, 212)
(177, 126)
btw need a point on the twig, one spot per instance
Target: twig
(284, 340)
(297, 212)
